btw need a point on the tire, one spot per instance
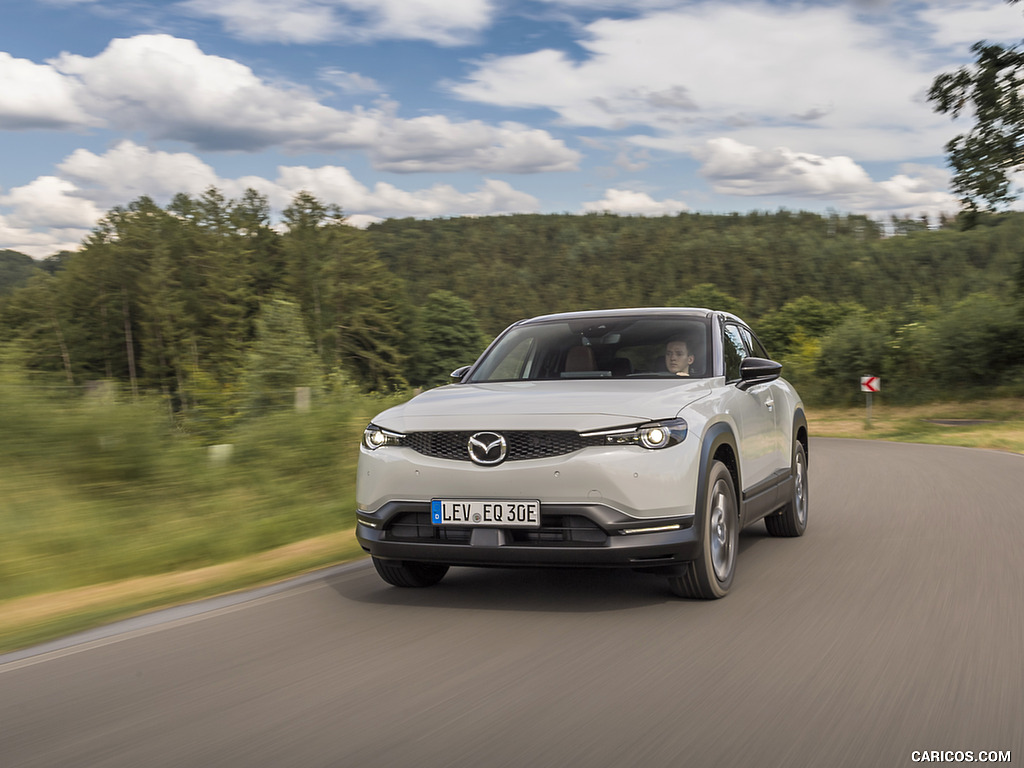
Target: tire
(791, 520)
(404, 573)
(710, 576)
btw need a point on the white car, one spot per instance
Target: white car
(637, 438)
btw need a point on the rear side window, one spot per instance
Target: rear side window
(734, 349)
(755, 347)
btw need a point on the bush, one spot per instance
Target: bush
(854, 348)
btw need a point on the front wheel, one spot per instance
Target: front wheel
(404, 573)
(791, 520)
(710, 576)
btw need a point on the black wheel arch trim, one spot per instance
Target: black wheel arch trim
(717, 435)
(800, 422)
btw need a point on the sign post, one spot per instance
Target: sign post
(870, 385)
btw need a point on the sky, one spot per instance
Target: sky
(439, 108)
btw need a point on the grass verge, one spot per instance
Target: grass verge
(993, 424)
(37, 618)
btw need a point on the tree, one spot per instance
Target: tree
(855, 347)
(978, 341)
(15, 270)
(709, 296)
(250, 216)
(449, 336)
(31, 319)
(351, 302)
(364, 312)
(308, 223)
(993, 88)
(781, 329)
(281, 358)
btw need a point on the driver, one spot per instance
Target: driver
(678, 357)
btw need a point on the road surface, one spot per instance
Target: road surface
(895, 626)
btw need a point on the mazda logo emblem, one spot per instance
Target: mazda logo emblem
(487, 448)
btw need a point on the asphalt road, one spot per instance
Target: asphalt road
(895, 625)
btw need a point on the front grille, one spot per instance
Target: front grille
(560, 530)
(521, 444)
(416, 526)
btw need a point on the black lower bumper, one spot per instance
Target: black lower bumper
(570, 535)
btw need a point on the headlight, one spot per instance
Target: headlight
(375, 437)
(654, 435)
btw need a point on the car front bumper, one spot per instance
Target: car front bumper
(616, 506)
(639, 484)
(570, 535)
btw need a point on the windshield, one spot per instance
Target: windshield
(595, 348)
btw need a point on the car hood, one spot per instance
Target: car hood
(578, 405)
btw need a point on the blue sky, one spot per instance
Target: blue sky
(427, 108)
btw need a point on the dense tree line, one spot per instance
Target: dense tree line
(15, 269)
(175, 300)
(209, 305)
(513, 266)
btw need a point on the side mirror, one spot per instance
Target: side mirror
(458, 373)
(757, 370)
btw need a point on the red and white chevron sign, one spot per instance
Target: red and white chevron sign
(870, 384)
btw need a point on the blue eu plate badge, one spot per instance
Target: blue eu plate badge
(435, 511)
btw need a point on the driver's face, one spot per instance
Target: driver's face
(677, 357)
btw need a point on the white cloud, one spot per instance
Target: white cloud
(739, 169)
(39, 243)
(444, 22)
(128, 171)
(294, 21)
(50, 202)
(37, 96)
(434, 143)
(45, 216)
(960, 24)
(626, 201)
(620, 5)
(55, 212)
(337, 185)
(349, 82)
(747, 70)
(169, 89)
(362, 220)
(633, 160)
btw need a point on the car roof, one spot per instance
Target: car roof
(681, 312)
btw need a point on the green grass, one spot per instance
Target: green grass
(997, 424)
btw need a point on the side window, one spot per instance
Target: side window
(755, 346)
(735, 350)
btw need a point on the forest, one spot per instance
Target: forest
(210, 306)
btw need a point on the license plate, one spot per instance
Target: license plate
(489, 513)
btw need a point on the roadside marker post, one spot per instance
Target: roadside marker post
(870, 385)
